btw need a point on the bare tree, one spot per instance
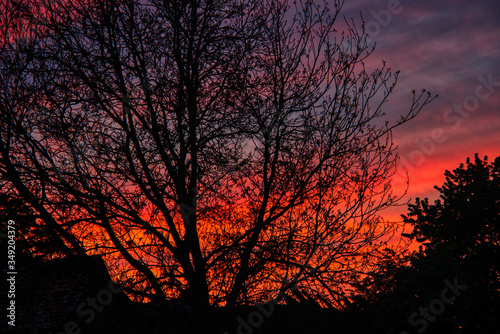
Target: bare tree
(219, 151)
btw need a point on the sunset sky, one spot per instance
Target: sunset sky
(451, 48)
(196, 152)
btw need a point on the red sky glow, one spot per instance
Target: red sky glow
(452, 49)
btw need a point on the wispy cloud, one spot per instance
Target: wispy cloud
(444, 47)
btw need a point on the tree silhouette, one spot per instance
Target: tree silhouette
(218, 151)
(32, 244)
(460, 240)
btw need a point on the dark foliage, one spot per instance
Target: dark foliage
(460, 243)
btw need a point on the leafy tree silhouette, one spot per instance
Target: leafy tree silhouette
(33, 243)
(460, 236)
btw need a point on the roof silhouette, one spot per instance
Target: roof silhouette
(48, 293)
